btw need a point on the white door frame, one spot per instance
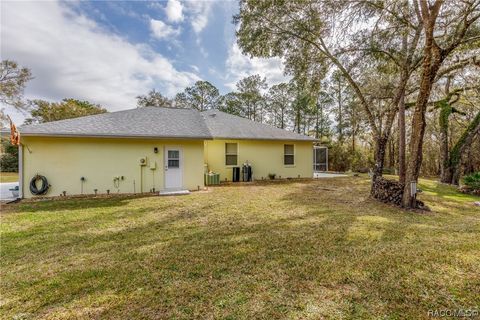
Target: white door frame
(165, 166)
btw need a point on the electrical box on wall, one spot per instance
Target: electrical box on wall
(153, 165)
(142, 161)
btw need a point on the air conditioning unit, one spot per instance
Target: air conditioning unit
(142, 161)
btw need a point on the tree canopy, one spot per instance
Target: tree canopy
(44, 111)
(201, 96)
(154, 99)
(13, 79)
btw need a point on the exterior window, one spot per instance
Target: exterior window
(288, 154)
(173, 159)
(231, 154)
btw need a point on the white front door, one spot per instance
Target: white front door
(173, 168)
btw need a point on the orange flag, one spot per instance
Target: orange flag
(14, 133)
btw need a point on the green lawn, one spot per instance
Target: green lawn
(8, 176)
(298, 250)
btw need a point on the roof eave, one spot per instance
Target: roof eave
(107, 136)
(267, 139)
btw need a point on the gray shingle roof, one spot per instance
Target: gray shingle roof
(226, 126)
(151, 122)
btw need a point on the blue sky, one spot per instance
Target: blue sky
(110, 52)
(193, 37)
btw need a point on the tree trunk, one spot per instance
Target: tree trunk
(431, 63)
(445, 169)
(391, 154)
(353, 141)
(401, 140)
(380, 146)
(340, 115)
(468, 167)
(299, 129)
(452, 165)
(416, 156)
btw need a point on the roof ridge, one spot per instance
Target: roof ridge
(108, 113)
(255, 122)
(230, 126)
(144, 121)
(176, 108)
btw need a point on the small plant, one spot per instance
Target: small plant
(272, 176)
(472, 181)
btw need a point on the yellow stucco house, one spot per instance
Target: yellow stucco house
(146, 149)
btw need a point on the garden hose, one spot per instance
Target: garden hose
(33, 185)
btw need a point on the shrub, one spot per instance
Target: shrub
(8, 163)
(360, 161)
(472, 181)
(9, 159)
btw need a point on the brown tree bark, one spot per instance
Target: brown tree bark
(401, 140)
(451, 168)
(431, 64)
(445, 173)
(391, 154)
(380, 148)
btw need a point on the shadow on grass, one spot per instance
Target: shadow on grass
(52, 205)
(314, 250)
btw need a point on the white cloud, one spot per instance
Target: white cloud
(161, 30)
(174, 11)
(71, 56)
(199, 12)
(239, 66)
(194, 67)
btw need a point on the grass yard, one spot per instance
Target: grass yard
(8, 177)
(297, 250)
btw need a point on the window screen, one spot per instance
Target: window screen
(289, 154)
(231, 155)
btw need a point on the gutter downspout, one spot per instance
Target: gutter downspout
(20, 171)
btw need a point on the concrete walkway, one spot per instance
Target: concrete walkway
(5, 194)
(328, 175)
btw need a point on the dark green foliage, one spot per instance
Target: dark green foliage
(45, 111)
(230, 103)
(472, 181)
(201, 96)
(342, 158)
(249, 90)
(339, 157)
(8, 163)
(9, 158)
(455, 153)
(154, 99)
